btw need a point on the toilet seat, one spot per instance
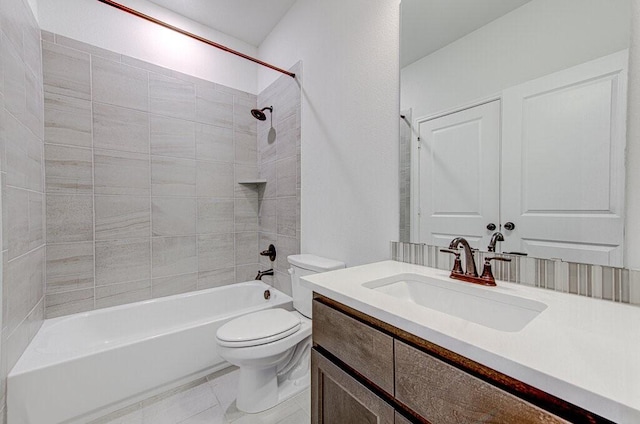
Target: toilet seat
(258, 328)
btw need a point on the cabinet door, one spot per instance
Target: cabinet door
(459, 183)
(443, 394)
(563, 173)
(337, 398)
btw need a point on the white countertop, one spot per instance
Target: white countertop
(585, 351)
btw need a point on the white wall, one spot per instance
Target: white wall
(632, 224)
(539, 38)
(350, 124)
(95, 23)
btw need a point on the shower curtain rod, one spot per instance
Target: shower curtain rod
(194, 36)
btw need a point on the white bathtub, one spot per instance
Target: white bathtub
(82, 366)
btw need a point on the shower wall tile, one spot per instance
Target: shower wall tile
(173, 177)
(67, 120)
(122, 260)
(119, 128)
(157, 153)
(22, 180)
(288, 137)
(214, 179)
(286, 177)
(172, 137)
(217, 278)
(173, 216)
(248, 272)
(246, 213)
(121, 173)
(214, 107)
(87, 48)
(172, 97)
(15, 90)
(279, 164)
(174, 256)
(243, 121)
(286, 216)
(66, 71)
(215, 143)
(216, 251)
(123, 293)
(69, 218)
(247, 248)
(24, 155)
(119, 217)
(23, 286)
(215, 216)
(140, 64)
(24, 215)
(120, 85)
(286, 246)
(34, 118)
(68, 170)
(69, 267)
(69, 302)
(18, 341)
(176, 284)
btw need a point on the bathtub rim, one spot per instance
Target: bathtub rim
(22, 367)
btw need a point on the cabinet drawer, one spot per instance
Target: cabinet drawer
(363, 348)
(444, 394)
(338, 398)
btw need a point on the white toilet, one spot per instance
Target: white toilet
(272, 347)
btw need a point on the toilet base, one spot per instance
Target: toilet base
(258, 391)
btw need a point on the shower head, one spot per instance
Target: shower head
(259, 114)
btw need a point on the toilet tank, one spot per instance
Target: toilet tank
(305, 264)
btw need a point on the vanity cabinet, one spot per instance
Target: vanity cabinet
(367, 371)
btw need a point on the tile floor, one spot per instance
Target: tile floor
(212, 401)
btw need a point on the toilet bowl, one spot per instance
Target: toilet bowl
(272, 347)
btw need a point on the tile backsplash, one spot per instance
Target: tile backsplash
(601, 282)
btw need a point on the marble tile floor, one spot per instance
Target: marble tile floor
(212, 401)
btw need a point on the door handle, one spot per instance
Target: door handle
(510, 226)
(491, 226)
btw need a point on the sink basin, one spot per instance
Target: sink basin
(463, 300)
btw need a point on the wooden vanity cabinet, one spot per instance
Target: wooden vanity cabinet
(366, 371)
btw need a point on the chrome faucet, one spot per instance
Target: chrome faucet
(496, 237)
(263, 273)
(469, 261)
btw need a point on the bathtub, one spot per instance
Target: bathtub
(80, 367)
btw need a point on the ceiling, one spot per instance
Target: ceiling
(428, 25)
(247, 20)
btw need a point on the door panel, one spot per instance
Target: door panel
(459, 175)
(563, 163)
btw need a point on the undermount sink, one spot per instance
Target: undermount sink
(463, 300)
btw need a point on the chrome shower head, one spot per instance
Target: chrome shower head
(259, 114)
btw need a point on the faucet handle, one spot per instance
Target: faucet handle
(457, 263)
(487, 275)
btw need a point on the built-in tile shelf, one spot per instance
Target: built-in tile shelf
(256, 181)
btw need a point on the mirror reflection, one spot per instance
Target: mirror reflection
(513, 125)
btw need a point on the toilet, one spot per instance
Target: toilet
(272, 347)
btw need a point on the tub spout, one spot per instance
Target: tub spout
(263, 273)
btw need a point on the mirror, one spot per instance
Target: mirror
(513, 121)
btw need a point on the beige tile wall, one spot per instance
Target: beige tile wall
(22, 179)
(279, 164)
(141, 169)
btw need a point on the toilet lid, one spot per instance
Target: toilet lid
(259, 327)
